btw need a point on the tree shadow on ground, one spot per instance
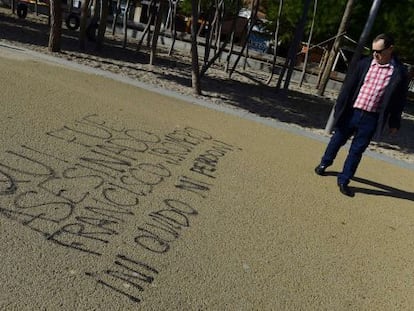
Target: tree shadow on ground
(244, 90)
(290, 107)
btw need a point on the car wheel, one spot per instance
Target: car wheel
(22, 10)
(72, 21)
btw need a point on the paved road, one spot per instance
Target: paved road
(114, 197)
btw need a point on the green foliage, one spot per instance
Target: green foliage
(205, 5)
(327, 18)
(396, 17)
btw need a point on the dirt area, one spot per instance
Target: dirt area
(246, 89)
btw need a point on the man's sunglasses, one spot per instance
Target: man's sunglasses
(379, 51)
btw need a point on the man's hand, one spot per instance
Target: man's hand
(393, 131)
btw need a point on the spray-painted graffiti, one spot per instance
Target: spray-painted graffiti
(83, 200)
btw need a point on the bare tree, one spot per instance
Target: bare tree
(327, 68)
(171, 23)
(308, 47)
(125, 22)
(152, 9)
(195, 72)
(155, 35)
(83, 24)
(232, 35)
(252, 21)
(276, 39)
(115, 16)
(214, 27)
(103, 16)
(291, 59)
(56, 26)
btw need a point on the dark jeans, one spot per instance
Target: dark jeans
(363, 125)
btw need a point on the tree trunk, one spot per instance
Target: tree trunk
(305, 62)
(155, 35)
(209, 25)
(252, 20)
(125, 23)
(291, 60)
(147, 29)
(173, 15)
(335, 48)
(276, 41)
(115, 16)
(103, 16)
(83, 24)
(195, 72)
(232, 35)
(56, 25)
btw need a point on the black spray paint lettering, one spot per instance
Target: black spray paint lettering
(103, 213)
(109, 212)
(32, 167)
(28, 220)
(198, 133)
(172, 152)
(96, 120)
(206, 163)
(45, 205)
(80, 136)
(145, 177)
(8, 184)
(172, 156)
(119, 195)
(101, 223)
(193, 185)
(131, 144)
(175, 216)
(79, 174)
(161, 226)
(106, 161)
(127, 148)
(143, 136)
(85, 219)
(181, 136)
(78, 236)
(177, 146)
(126, 271)
(151, 241)
(64, 188)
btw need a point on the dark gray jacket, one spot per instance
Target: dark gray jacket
(393, 100)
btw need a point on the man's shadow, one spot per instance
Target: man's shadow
(382, 189)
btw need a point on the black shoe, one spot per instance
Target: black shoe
(320, 170)
(345, 190)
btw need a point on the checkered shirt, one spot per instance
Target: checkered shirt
(374, 85)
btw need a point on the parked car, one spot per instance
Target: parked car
(71, 12)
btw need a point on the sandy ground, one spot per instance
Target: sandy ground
(299, 107)
(116, 198)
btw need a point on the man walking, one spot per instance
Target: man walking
(374, 94)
